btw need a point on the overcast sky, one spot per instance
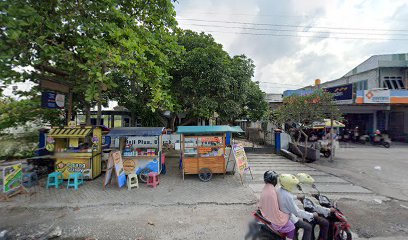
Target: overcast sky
(299, 59)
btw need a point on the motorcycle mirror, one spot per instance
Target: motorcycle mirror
(314, 186)
(299, 187)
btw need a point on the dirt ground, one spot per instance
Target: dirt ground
(368, 220)
(131, 222)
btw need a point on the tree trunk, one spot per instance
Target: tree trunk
(132, 122)
(188, 121)
(305, 152)
(172, 121)
(87, 115)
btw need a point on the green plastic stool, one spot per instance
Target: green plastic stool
(77, 179)
(54, 179)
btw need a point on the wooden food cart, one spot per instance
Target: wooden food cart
(203, 150)
(141, 149)
(77, 149)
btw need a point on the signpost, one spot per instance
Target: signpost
(241, 160)
(52, 100)
(115, 164)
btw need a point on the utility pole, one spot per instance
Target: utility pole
(331, 138)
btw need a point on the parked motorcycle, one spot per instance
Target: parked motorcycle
(339, 228)
(260, 229)
(380, 139)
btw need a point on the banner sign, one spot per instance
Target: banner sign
(142, 142)
(341, 93)
(377, 96)
(12, 177)
(52, 100)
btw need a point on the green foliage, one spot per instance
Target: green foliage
(302, 111)
(16, 113)
(207, 80)
(93, 42)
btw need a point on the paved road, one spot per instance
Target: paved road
(376, 168)
(332, 186)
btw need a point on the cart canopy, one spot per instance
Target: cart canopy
(136, 131)
(208, 129)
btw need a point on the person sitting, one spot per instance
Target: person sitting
(288, 183)
(269, 207)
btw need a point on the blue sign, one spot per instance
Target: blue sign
(341, 93)
(52, 100)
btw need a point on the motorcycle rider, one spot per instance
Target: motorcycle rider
(288, 183)
(306, 179)
(269, 206)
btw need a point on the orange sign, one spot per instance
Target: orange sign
(211, 139)
(204, 150)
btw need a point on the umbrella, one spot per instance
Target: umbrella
(327, 123)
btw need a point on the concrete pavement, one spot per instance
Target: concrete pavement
(330, 185)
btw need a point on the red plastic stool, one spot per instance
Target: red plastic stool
(153, 179)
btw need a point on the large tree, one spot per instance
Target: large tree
(207, 81)
(87, 44)
(300, 112)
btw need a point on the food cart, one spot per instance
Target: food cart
(141, 149)
(76, 149)
(203, 149)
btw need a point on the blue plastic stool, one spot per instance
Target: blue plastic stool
(30, 179)
(77, 179)
(54, 179)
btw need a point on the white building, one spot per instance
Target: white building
(377, 95)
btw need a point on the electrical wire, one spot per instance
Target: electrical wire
(288, 30)
(291, 25)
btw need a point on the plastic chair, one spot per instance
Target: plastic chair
(54, 179)
(30, 179)
(153, 179)
(132, 181)
(77, 179)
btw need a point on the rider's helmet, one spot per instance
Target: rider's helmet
(271, 177)
(288, 182)
(305, 178)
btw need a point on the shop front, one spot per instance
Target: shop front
(203, 150)
(76, 149)
(141, 149)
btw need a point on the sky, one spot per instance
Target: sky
(327, 38)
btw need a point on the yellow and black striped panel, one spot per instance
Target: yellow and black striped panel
(69, 132)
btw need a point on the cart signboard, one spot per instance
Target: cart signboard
(115, 164)
(12, 177)
(241, 159)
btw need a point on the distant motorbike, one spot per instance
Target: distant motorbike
(324, 147)
(380, 139)
(260, 229)
(339, 228)
(346, 136)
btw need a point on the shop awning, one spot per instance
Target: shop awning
(69, 132)
(208, 129)
(136, 131)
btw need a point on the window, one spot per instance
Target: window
(361, 85)
(393, 83)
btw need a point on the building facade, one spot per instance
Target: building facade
(373, 95)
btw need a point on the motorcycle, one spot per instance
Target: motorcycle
(339, 228)
(260, 228)
(379, 139)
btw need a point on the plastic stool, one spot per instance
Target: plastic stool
(54, 179)
(30, 179)
(153, 179)
(132, 181)
(77, 178)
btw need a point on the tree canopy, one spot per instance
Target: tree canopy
(207, 81)
(300, 112)
(124, 50)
